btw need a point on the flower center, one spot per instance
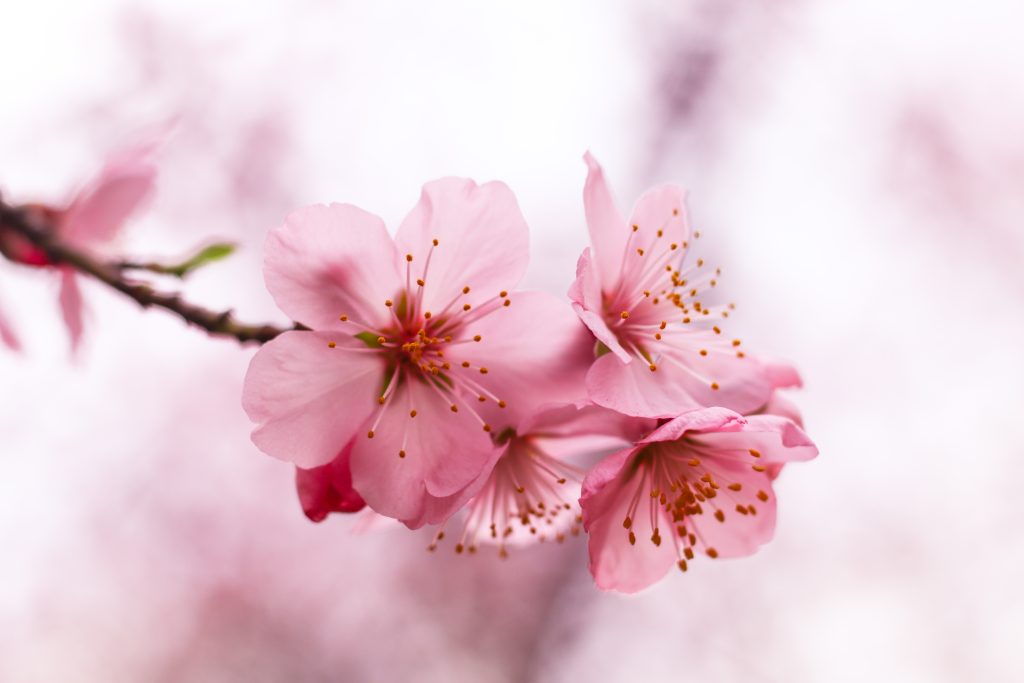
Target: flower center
(433, 348)
(529, 496)
(684, 484)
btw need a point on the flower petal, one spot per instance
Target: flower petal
(585, 294)
(714, 419)
(632, 388)
(535, 350)
(71, 306)
(614, 562)
(7, 335)
(100, 210)
(777, 440)
(444, 451)
(608, 229)
(483, 241)
(326, 261)
(309, 400)
(328, 488)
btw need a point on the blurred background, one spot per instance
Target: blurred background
(857, 169)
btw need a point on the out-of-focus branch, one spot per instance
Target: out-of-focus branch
(218, 323)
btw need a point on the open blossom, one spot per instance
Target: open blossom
(413, 340)
(698, 484)
(92, 220)
(640, 292)
(532, 493)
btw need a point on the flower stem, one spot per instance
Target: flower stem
(216, 323)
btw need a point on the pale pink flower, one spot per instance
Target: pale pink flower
(91, 221)
(96, 216)
(640, 293)
(413, 339)
(697, 484)
(532, 493)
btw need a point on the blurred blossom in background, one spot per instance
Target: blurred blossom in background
(857, 169)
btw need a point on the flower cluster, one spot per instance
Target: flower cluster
(431, 390)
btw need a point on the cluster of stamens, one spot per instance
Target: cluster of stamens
(658, 299)
(680, 487)
(529, 493)
(432, 347)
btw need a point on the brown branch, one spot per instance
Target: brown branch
(218, 323)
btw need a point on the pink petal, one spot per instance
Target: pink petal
(100, 210)
(713, 419)
(326, 261)
(328, 488)
(608, 229)
(781, 375)
(445, 451)
(661, 208)
(71, 306)
(739, 535)
(536, 352)
(570, 420)
(783, 407)
(7, 334)
(776, 438)
(309, 400)
(632, 388)
(483, 241)
(585, 294)
(614, 563)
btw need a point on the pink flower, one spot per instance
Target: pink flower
(698, 483)
(96, 216)
(91, 221)
(640, 293)
(414, 341)
(532, 492)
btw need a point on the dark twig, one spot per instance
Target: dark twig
(217, 323)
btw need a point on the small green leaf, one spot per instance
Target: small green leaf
(600, 349)
(207, 255)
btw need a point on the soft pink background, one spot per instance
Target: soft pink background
(857, 168)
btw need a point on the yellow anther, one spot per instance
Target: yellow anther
(502, 404)
(381, 400)
(735, 342)
(703, 352)
(714, 386)
(401, 454)
(754, 452)
(436, 243)
(477, 338)
(717, 329)
(640, 252)
(420, 282)
(624, 315)
(369, 434)
(627, 522)
(487, 427)
(502, 294)
(693, 462)
(762, 496)
(758, 468)
(412, 413)
(408, 258)
(682, 565)
(653, 367)
(465, 290)
(427, 315)
(454, 408)
(632, 538)
(483, 371)
(700, 263)
(507, 302)
(343, 318)
(735, 487)
(712, 553)
(381, 340)
(719, 515)
(675, 212)
(635, 227)
(331, 345)
(465, 363)
(389, 303)
(466, 307)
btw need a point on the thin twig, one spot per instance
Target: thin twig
(45, 238)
